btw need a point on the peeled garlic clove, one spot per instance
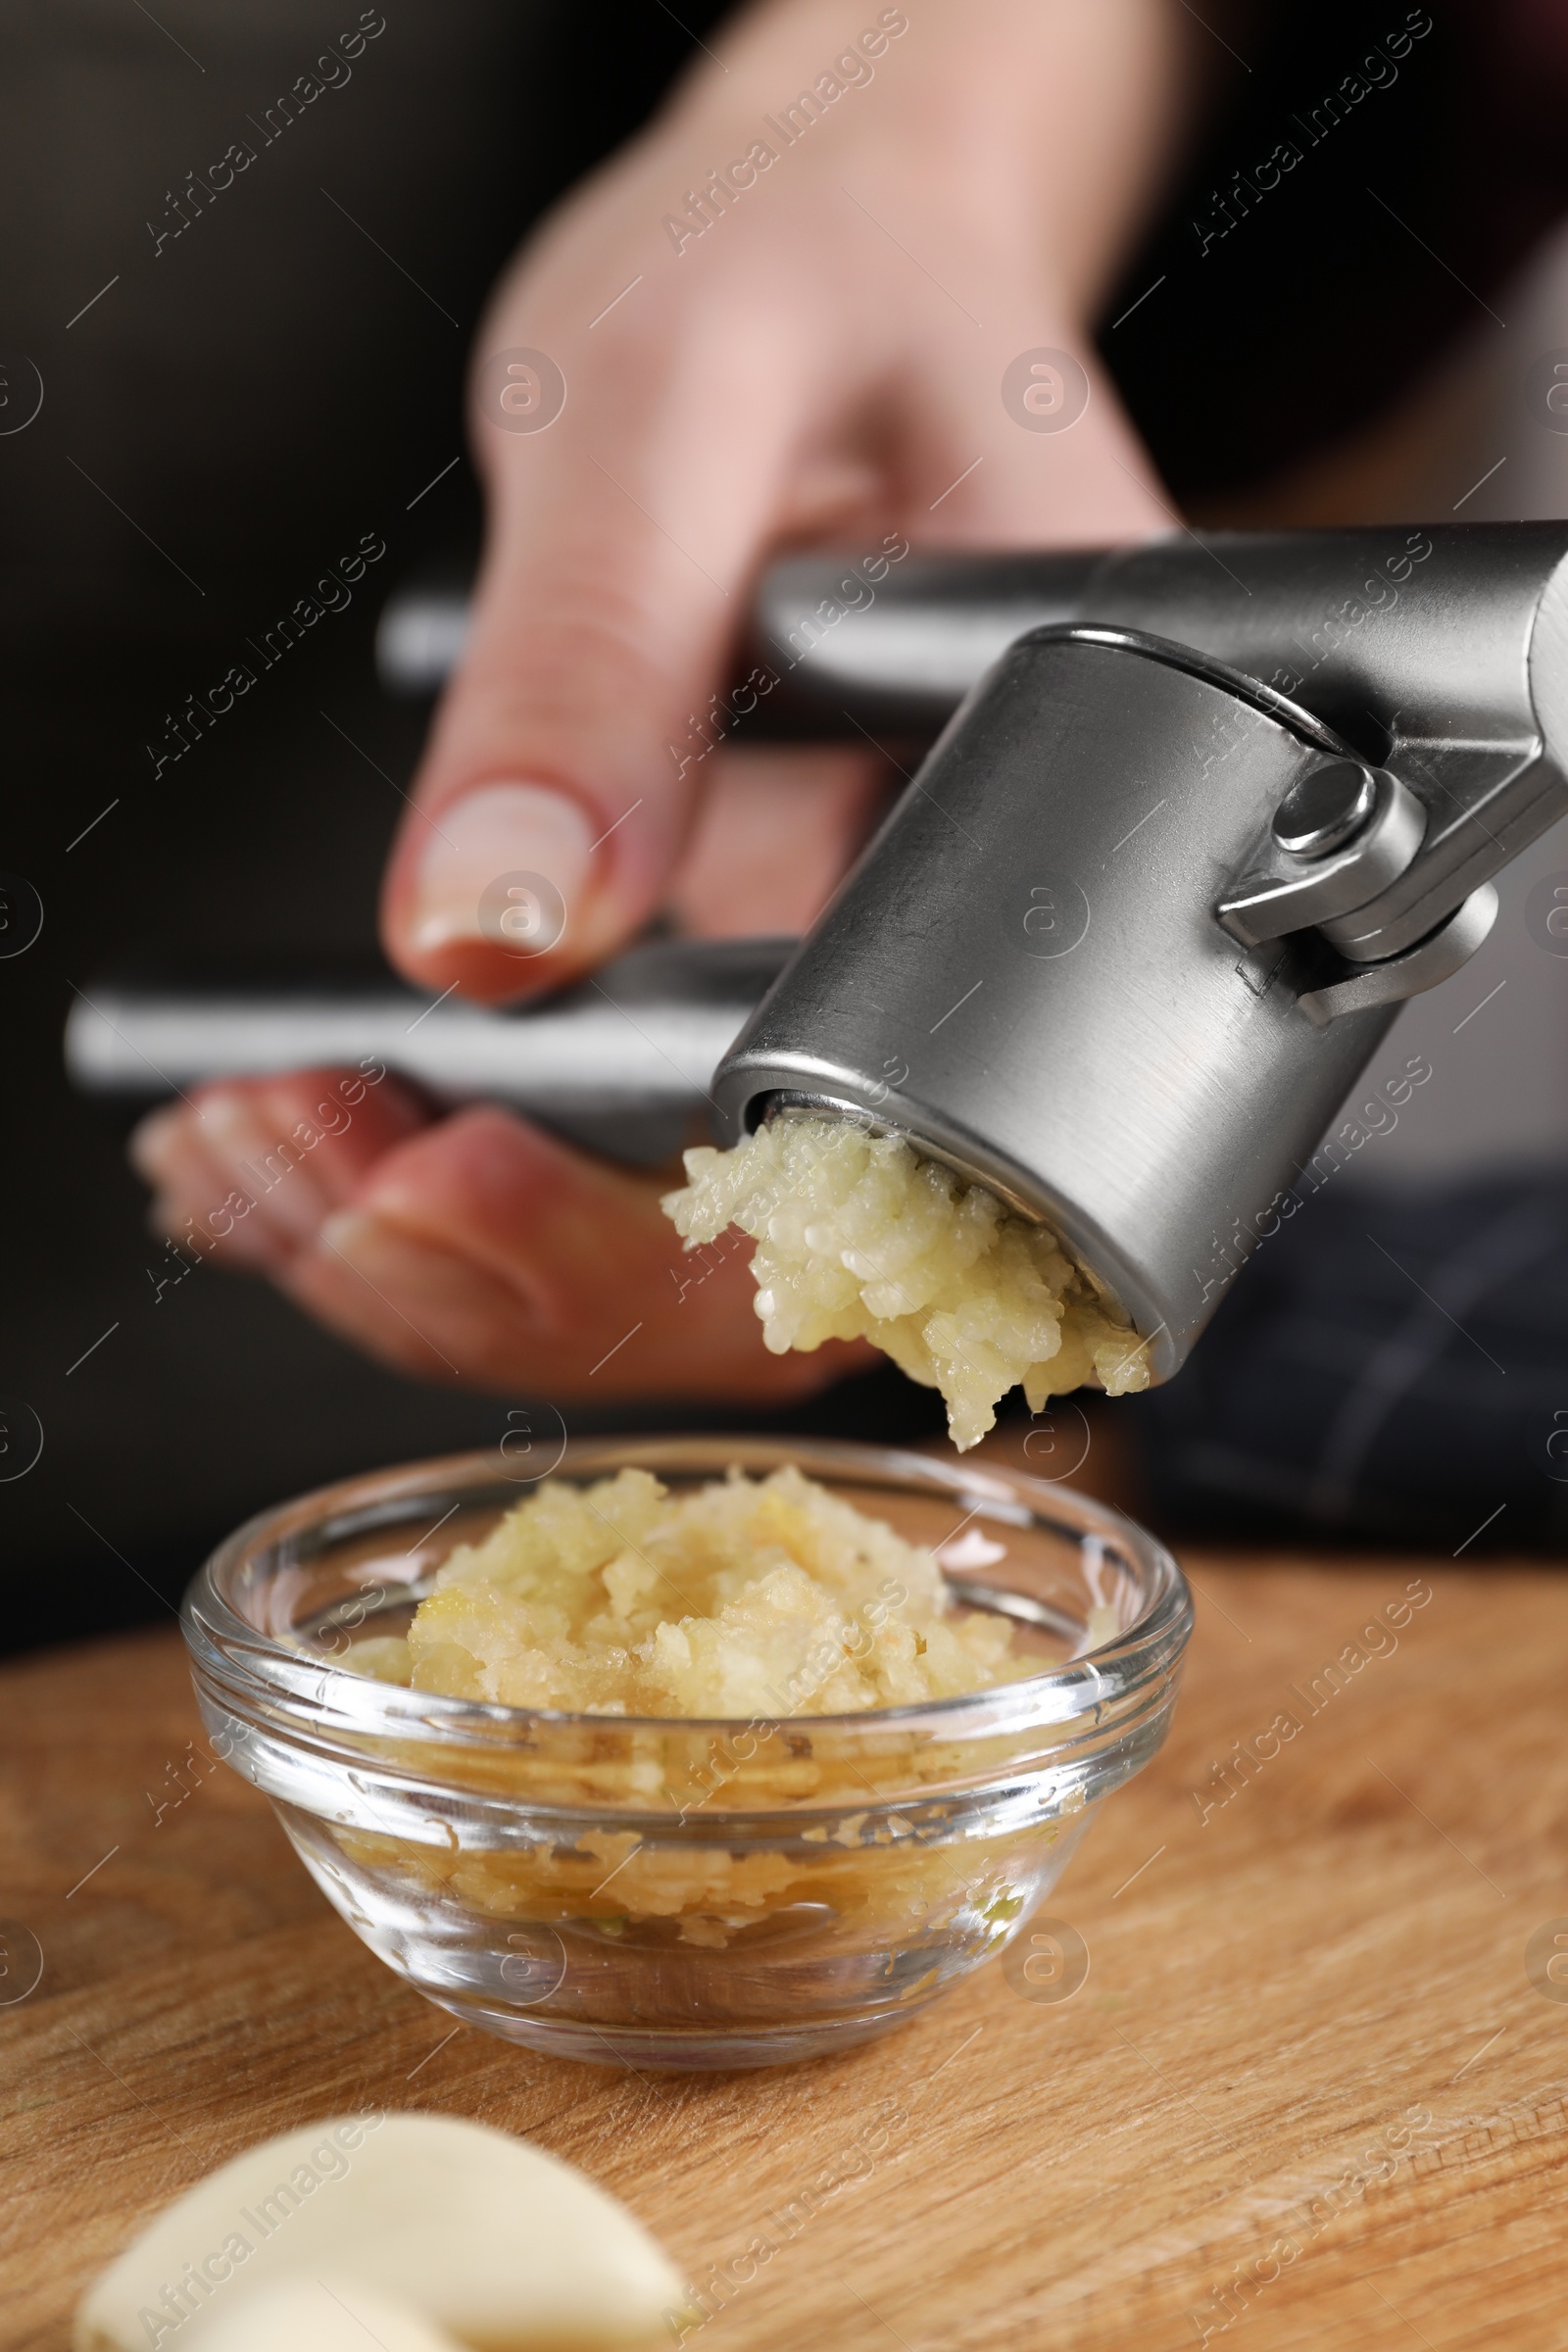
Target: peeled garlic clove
(507, 2247)
(307, 2317)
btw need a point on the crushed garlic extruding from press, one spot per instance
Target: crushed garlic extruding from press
(859, 1237)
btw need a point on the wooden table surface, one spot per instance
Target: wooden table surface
(1219, 2136)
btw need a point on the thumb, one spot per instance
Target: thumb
(559, 786)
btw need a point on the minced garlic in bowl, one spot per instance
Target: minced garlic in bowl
(858, 1236)
(922, 1680)
(741, 1598)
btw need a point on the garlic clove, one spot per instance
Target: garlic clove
(306, 2316)
(508, 2248)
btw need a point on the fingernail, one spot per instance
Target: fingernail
(246, 1243)
(154, 1145)
(269, 1166)
(359, 1238)
(431, 1283)
(506, 864)
(346, 1229)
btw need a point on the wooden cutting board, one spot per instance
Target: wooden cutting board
(1307, 2095)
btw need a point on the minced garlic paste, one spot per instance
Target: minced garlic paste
(859, 1237)
(741, 1598)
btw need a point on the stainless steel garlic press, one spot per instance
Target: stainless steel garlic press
(1200, 814)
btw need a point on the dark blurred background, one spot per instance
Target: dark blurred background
(232, 410)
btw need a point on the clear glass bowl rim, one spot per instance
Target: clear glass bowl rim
(235, 1653)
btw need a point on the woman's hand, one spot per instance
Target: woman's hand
(469, 1248)
(808, 348)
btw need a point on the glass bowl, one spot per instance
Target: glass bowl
(670, 1892)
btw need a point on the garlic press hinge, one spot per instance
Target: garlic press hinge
(1341, 835)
